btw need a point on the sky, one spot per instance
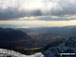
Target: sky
(37, 13)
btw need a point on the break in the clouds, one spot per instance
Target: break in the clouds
(15, 9)
(50, 18)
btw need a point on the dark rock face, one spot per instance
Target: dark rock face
(68, 46)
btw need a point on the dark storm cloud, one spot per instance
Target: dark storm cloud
(13, 13)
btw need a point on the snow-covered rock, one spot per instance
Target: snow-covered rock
(5, 52)
(68, 46)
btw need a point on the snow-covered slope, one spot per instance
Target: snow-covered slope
(5, 52)
(69, 46)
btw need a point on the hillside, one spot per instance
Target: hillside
(15, 40)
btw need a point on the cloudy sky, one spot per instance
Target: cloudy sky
(37, 13)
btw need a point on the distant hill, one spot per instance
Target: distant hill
(45, 35)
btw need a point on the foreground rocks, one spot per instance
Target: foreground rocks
(11, 53)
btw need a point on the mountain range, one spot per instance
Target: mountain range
(35, 39)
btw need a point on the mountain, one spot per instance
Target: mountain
(13, 34)
(53, 50)
(15, 40)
